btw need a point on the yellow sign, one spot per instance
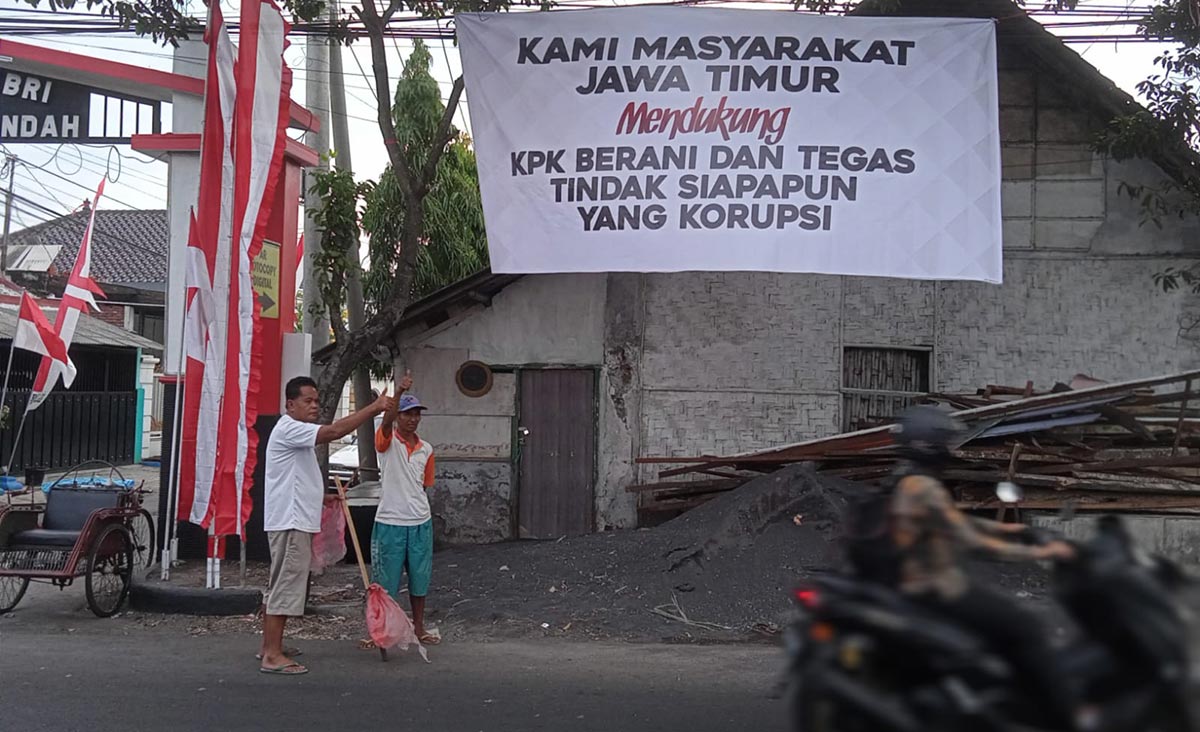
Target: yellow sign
(265, 278)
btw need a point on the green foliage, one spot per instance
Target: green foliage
(453, 243)
(165, 21)
(1169, 125)
(337, 221)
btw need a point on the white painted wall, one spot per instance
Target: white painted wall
(146, 382)
(183, 189)
(459, 426)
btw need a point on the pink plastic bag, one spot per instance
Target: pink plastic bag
(387, 623)
(329, 546)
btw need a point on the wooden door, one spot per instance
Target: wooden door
(557, 430)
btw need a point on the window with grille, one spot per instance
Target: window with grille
(879, 383)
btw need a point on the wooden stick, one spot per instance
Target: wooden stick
(362, 566)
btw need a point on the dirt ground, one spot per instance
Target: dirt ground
(720, 573)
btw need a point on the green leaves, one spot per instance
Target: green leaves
(166, 21)
(338, 222)
(452, 243)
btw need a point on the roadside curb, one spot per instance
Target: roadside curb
(160, 597)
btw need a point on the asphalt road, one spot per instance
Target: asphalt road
(63, 670)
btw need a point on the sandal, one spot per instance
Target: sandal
(288, 669)
(429, 639)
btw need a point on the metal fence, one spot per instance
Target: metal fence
(69, 428)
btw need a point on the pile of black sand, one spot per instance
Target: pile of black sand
(727, 566)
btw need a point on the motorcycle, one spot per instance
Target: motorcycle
(862, 658)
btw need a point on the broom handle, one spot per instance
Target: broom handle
(362, 566)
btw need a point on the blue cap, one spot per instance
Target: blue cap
(408, 401)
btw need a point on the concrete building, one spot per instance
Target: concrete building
(586, 373)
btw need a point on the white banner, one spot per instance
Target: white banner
(678, 139)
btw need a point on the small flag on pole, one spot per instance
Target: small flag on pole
(34, 333)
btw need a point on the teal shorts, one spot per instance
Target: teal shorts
(396, 549)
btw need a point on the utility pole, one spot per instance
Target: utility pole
(316, 98)
(10, 165)
(355, 306)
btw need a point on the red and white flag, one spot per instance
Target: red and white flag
(209, 240)
(76, 298)
(34, 333)
(241, 157)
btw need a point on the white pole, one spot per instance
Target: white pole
(4, 393)
(17, 440)
(210, 574)
(170, 551)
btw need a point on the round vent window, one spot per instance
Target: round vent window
(474, 379)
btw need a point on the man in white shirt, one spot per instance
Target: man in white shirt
(294, 492)
(402, 537)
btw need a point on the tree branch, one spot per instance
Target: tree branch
(404, 174)
(442, 138)
(392, 10)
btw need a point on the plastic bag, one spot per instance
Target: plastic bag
(387, 623)
(329, 546)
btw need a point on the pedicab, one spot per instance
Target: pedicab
(88, 526)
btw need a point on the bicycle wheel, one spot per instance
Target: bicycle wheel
(109, 570)
(141, 528)
(12, 589)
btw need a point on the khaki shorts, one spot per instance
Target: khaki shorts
(291, 557)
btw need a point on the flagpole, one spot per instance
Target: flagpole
(171, 538)
(17, 441)
(4, 391)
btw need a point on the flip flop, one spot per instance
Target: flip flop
(284, 670)
(429, 639)
(289, 652)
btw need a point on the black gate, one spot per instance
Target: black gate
(69, 428)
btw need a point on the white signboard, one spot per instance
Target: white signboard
(676, 139)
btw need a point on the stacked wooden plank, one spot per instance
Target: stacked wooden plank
(1121, 447)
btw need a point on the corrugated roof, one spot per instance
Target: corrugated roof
(127, 245)
(88, 332)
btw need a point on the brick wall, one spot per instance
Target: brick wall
(111, 314)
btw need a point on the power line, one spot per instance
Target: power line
(105, 165)
(35, 179)
(297, 70)
(107, 235)
(68, 180)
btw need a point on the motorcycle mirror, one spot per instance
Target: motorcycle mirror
(1009, 492)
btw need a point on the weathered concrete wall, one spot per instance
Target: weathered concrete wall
(742, 361)
(619, 426)
(472, 439)
(718, 363)
(471, 502)
(1174, 537)
(543, 319)
(552, 320)
(459, 426)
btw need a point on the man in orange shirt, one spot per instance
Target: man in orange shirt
(402, 538)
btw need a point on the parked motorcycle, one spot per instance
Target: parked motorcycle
(862, 658)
